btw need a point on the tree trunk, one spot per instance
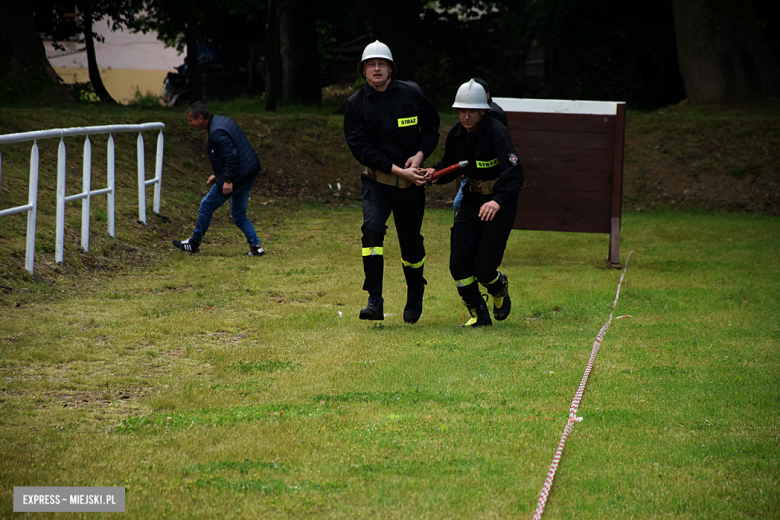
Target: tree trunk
(273, 76)
(300, 64)
(397, 24)
(21, 50)
(723, 55)
(193, 67)
(92, 65)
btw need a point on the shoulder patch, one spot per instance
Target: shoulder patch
(513, 158)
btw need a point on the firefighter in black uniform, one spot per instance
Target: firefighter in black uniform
(487, 213)
(391, 127)
(496, 112)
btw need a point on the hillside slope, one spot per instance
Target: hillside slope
(710, 159)
(674, 158)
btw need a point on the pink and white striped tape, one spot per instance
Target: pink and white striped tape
(575, 404)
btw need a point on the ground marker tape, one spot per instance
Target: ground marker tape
(575, 404)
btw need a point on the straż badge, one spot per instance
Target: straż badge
(513, 158)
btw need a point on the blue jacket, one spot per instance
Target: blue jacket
(232, 157)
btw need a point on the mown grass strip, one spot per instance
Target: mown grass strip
(223, 417)
(264, 366)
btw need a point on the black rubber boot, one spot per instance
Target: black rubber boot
(415, 284)
(373, 268)
(414, 304)
(502, 304)
(476, 305)
(374, 310)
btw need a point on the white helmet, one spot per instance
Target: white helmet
(377, 50)
(471, 95)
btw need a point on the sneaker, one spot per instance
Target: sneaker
(414, 305)
(374, 310)
(187, 245)
(256, 251)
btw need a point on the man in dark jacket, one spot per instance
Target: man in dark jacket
(235, 165)
(391, 127)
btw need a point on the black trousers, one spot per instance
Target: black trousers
(408, 207)
(477, 247)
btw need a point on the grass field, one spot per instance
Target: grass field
(221, 386)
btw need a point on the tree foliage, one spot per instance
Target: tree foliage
(236, 26)
(293, 41)
(118, 14)
(723, 55)
(397, 24)
(592, 49)
(461, 40)
(233, 24)
(21, 50)
(24, 69)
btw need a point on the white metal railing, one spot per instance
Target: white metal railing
(86, 194)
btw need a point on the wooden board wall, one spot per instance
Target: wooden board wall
(572, 163)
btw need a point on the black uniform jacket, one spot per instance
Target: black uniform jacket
(496, 112)
(491, 155)
(386, 128)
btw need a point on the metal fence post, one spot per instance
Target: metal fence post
(111, 195)
(86, 183)
(32, 214)
(141, 181)
(158, 173)
(60, 231)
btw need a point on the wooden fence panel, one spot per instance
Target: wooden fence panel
(572, 154)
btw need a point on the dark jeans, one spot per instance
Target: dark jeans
(214, 199)
(459, 195)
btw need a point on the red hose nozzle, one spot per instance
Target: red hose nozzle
(449, 169)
